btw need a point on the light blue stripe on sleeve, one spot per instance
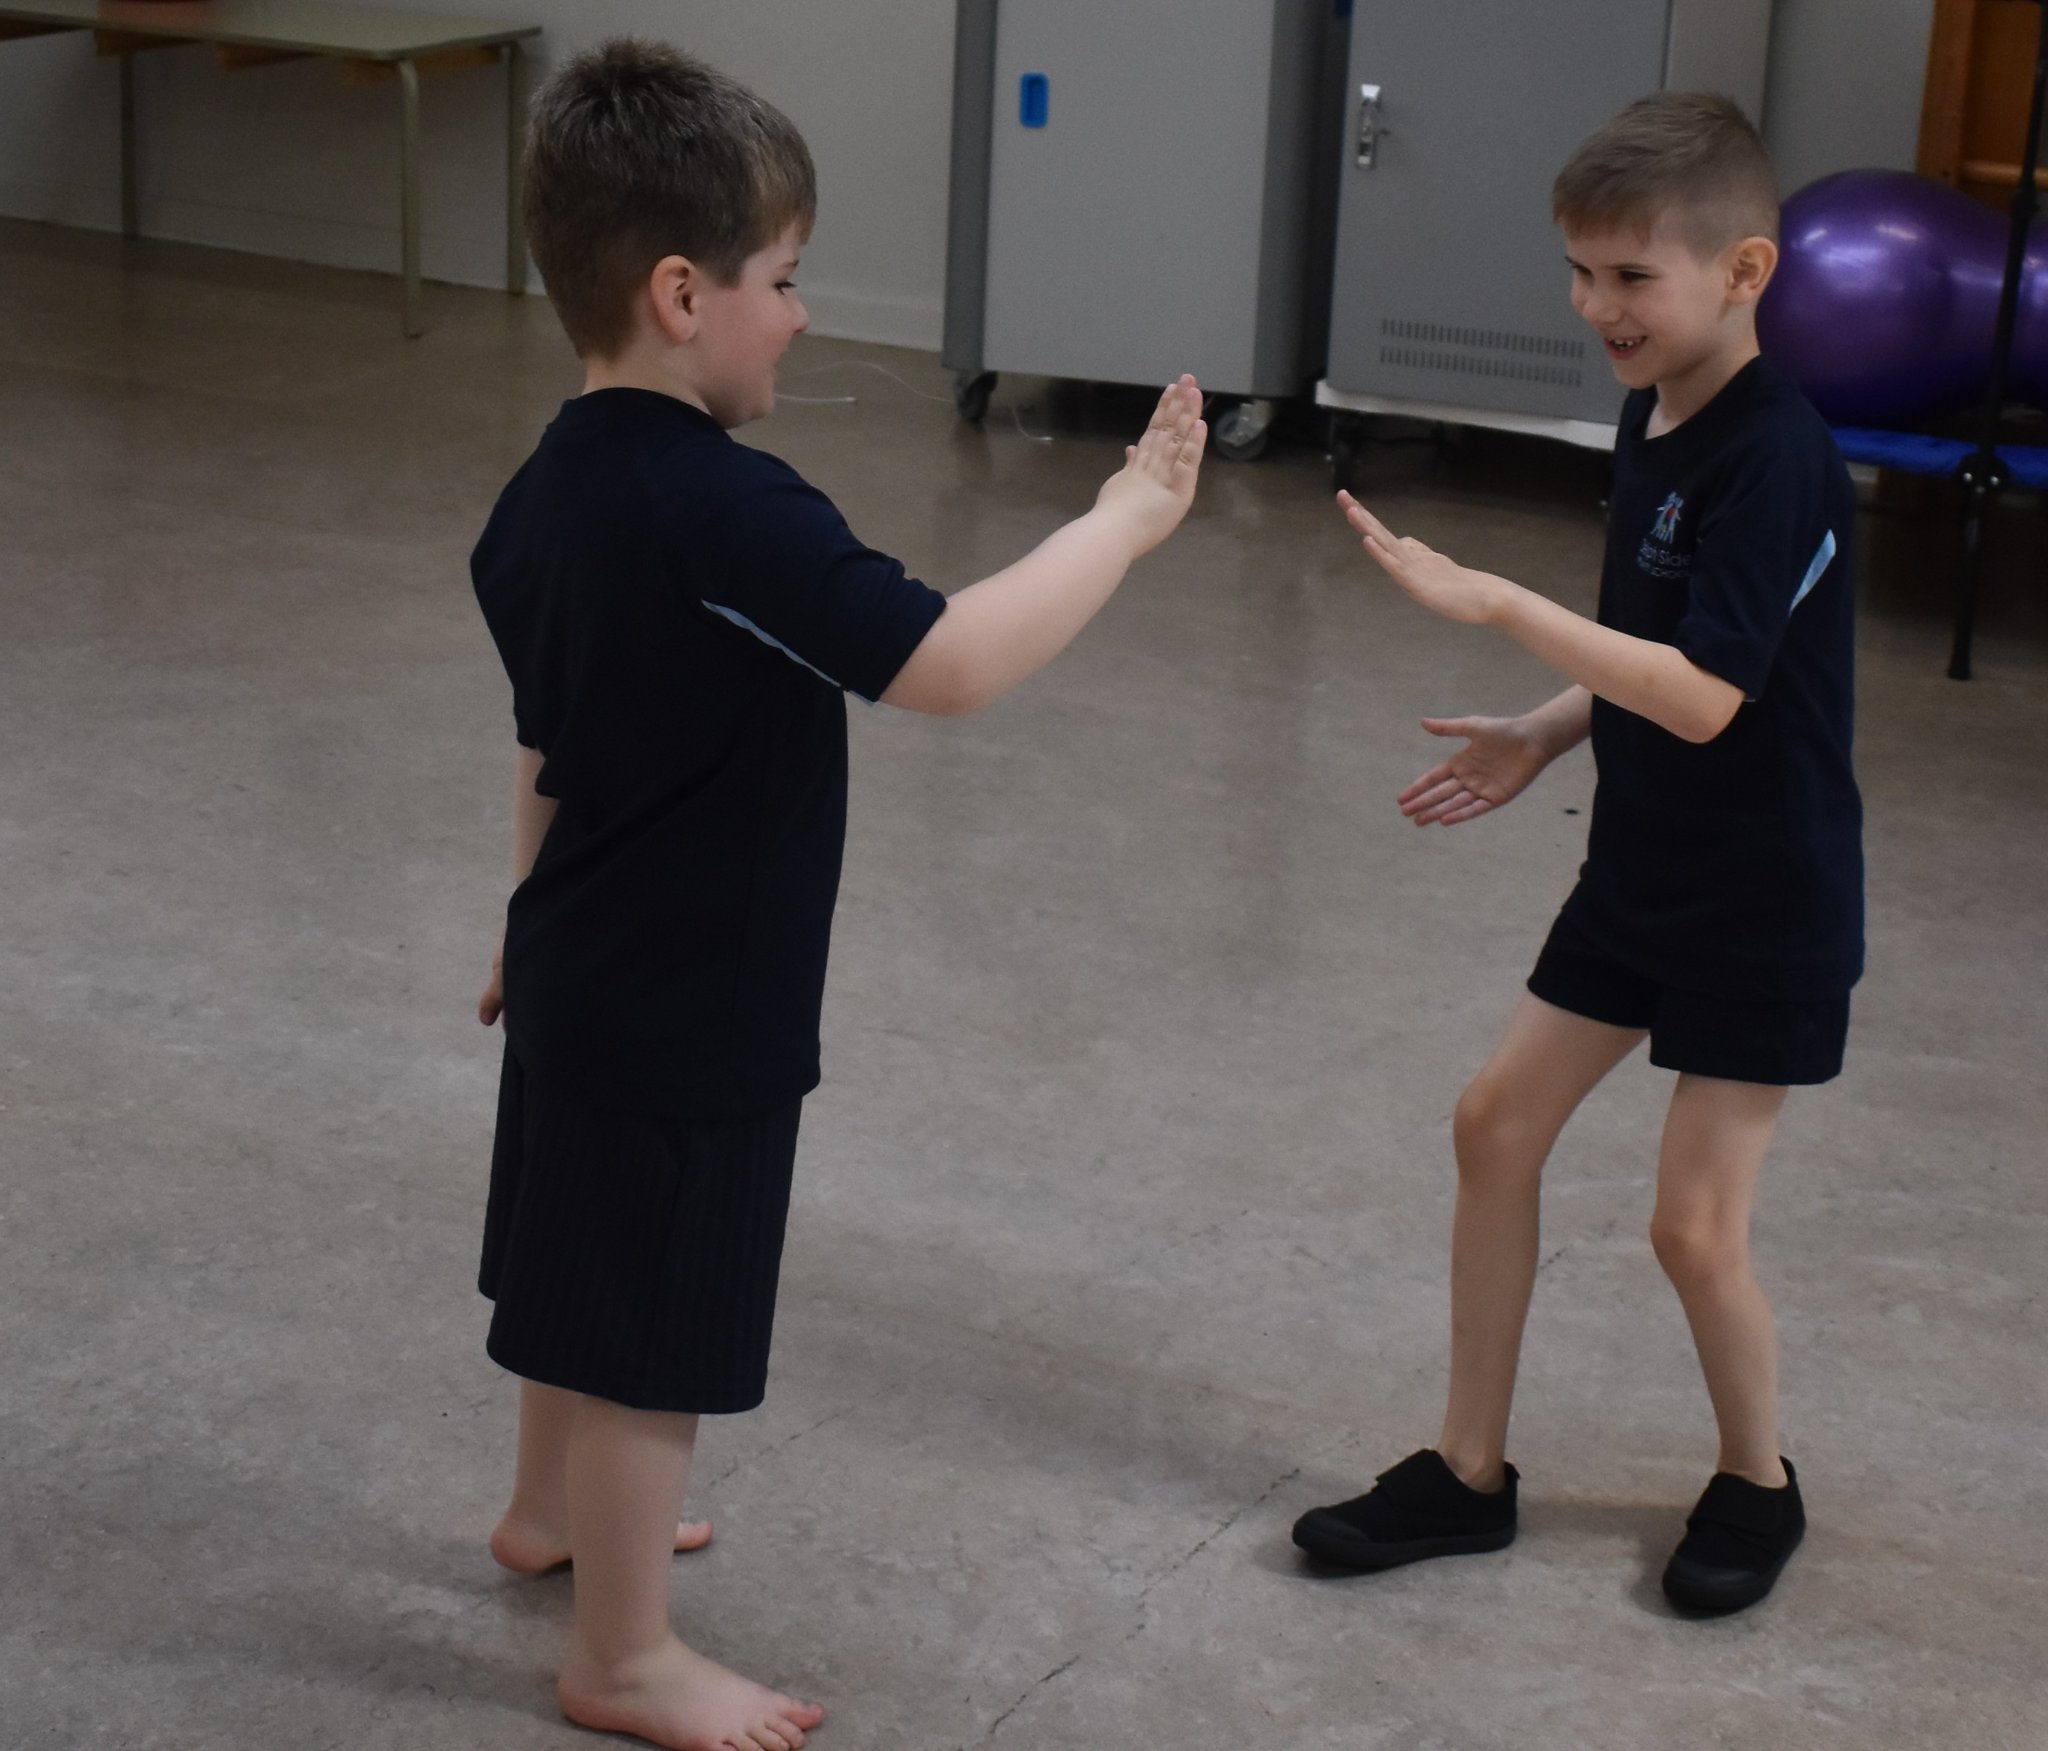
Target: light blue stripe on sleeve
(768, 638)
(1813, 572)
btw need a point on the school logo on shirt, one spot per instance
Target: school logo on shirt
(1659, 554)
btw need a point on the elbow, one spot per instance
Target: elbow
(953, 692)
(1704, 707)
(960, 703)
(970, 682)
(1706, 723)
(937, 691)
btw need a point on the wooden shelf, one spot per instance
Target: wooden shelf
(2005, 176)
(1973, 111)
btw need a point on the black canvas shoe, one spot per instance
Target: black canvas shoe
(1736, 1541)
(1419, 1509)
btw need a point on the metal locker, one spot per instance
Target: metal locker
(1132, 192)
(1451, 298)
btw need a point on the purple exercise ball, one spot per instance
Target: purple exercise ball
(1885, 302)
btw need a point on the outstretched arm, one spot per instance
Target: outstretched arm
(1653, 680)
(996, 633)
(532, 814)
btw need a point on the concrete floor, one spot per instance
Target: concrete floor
(1120, 1226)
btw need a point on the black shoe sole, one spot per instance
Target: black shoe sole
(1702, 1597)
(1331, 1541)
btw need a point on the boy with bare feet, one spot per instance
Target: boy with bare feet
(680, 617)
(1720, 908)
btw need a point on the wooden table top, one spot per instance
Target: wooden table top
(314, 27)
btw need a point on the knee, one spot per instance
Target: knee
(1493, 1138)
(1694, 1248)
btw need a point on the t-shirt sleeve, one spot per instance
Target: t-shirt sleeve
(779, 561)
(1764, 543)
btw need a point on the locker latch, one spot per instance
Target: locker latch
(1370, 127)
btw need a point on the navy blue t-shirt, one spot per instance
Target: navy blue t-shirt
(1733, 867)
(680, 616)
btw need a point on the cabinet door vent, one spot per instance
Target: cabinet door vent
(1497, 340)
(1469, 365)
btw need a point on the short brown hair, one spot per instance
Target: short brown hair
(638, 151)
(1689, 156)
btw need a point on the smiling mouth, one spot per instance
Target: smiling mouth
(1624, 349)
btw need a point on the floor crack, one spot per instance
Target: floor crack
(1166, 1574)
(1071, 1660)
(777, 1446)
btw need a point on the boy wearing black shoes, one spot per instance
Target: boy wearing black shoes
(1720, 907)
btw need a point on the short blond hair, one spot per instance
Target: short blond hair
(1689, 158)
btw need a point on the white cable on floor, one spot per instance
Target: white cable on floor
(922, 394)
(1034, 437)
(863, 365)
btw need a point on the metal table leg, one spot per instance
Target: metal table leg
(131, 223)
(515, 152)
(409, 193)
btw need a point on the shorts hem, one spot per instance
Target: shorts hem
(1730, 1070)
(698, 1404)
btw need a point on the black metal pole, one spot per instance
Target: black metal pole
(1983, 474)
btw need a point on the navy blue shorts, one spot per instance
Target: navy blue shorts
(635, 1258)
(1738, 1039)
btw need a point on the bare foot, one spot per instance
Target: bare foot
(527, 1548)
(678, 1699)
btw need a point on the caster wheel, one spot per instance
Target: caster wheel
(971, 392)
(1242, 434)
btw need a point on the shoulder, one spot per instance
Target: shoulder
(512, 494)
(760, 502)
(1779, 430)
(726, 475)
(511, 513)
(763, 472)
(1775, 466)
(709, 488)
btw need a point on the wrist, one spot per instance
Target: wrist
(1558, 726)
(1544, 735)
(1498, 600)
(1116, 531)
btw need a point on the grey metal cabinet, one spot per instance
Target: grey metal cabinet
(1132, 192)
(1451, 298)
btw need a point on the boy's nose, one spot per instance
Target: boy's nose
(803, 316)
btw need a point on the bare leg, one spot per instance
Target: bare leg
(1506, 1122)
(1715, 1140)
(626, 1672)
(533, 1537)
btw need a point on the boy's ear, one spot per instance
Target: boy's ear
(675, 288)
(1750, 266)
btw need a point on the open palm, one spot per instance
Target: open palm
(1494, 767)
(1155, 486)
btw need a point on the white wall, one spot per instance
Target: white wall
(285, 160)
(1844, 85)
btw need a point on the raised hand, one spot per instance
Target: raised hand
(1439, 583)
(1500, 756)
(1152, 491)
